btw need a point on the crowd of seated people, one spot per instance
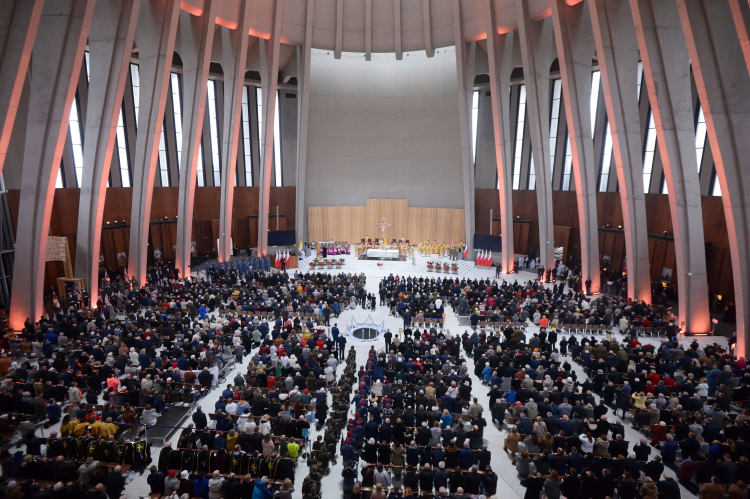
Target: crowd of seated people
(416, 429)
(566, 433)
(416, 297)
(150, 346)
(557, 308)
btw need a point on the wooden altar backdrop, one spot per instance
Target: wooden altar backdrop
(352, 223)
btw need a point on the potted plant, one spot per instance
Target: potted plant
(446, 267)
(438, 267)
(454, 268)
(429, 266)
(339, 262)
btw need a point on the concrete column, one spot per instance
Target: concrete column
(58, 55)
(500, 57)
(368, 30)
(339, 28)
(724, 91)
(155, 37)
(397, 29)
(465, 57)
(666, 72)
(19, 20)
(537, 54)
(234, 49)
(741, 16)
(195, 37)
(427, 27)
(303, 106)
(617, 49)
(575, 49)
(269, 70)
(110, 48)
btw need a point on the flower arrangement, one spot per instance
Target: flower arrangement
(429, 265)
(446, 267)
(454, 267)
(340, 262)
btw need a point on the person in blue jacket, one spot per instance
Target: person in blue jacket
(261, 489)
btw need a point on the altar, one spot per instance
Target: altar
(383, 254)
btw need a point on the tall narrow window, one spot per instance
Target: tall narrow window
(246, 136)
(532, 172)
(648, 154)
(640, 79)
(200, 175)
(213, 127)
(567, 166)
(177, 107)
(259, 111)
(474, 120)
(594, 101)
(163, 161)
(86, 59)
(606, 160)
(716, 189)
(664, 189)
(122, 151)
(76, 139)
(60, 180)
(700, 137)
(518, 150)
(277, 142)
(553, 123)
(135, 79)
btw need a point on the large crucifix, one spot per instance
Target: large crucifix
(382, 226)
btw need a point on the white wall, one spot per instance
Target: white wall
(384, 129)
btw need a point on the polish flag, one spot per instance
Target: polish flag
(276, 262)
(288, 257)
(479, 258)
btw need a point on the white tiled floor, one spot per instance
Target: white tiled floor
(508, 486)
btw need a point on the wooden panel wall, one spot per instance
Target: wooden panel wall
(163, 231)
(353, 223)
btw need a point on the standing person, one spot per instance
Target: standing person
(387, 336)
(327, 316)
(341, 350)
(498, 268)
(588, 286)
(335, 333)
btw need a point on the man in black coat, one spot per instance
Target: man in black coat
(472, 481)
(426, 478)
(205, 378)
(199, 418)
(115, 483)
(156, 481)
